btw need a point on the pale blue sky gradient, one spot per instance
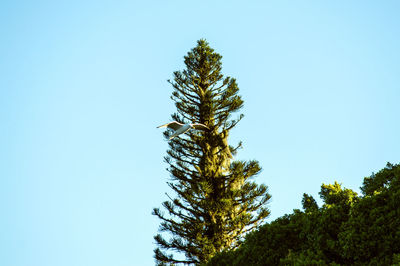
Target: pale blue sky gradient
(83, 87)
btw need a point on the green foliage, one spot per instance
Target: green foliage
(280, 236)
(304, 258)
(215, 202)
(309, 204)
(347, 230)
(373, 229)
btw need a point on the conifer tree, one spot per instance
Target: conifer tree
(215, 201)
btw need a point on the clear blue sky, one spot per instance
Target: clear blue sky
(83, 87)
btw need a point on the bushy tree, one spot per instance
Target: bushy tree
(333, 214)
(347, 230)
(300, 238)
(372, 232)
(215, 201)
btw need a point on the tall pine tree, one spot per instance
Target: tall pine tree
(215, 202)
